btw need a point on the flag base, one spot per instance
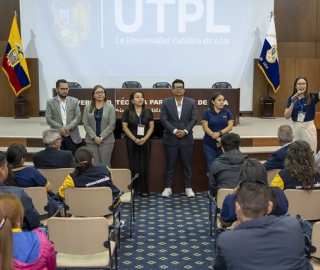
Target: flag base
(267, 107)
(20, 106)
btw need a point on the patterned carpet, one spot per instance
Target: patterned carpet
(169, 233)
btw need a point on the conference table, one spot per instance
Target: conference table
(119, 97)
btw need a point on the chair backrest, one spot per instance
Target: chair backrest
(271, 174)
(315, 239)
(78, 236)
(74, 85)
(222, 193)
(131, 84)
(56, 177)
(39, 198)
(89, 202)
(161, 85)
(121, 178)
(303, 203)
(221, 85)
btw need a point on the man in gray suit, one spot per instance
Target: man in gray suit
(63, 113)
(178, 116)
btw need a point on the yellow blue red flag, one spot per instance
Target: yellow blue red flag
(14, 64)
(269, 61)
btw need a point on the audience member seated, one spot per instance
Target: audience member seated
(225, 169)
(25, 176)
(52, 157)
(252, 170)
(261, 240)
(19, 249)
(276, 161)
(87, 174)
(300, 171)
(31, 218)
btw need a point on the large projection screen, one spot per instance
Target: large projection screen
(108, 42)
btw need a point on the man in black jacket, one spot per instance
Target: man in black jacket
(52, 157)
(225, 169)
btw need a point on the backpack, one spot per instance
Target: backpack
(306, 227)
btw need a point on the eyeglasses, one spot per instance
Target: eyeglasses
(178, 88)
(99, 93)
(64, 89)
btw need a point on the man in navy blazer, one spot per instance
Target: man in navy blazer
(178, 116)
(52, 157)
(276, 161)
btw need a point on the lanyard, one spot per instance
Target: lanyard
(301, 104)
(140, 118)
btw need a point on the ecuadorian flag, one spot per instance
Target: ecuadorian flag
(14, 63)
(269, 61)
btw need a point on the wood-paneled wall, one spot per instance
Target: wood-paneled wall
(298, 36)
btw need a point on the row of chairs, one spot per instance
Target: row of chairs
(135, 84)
(90, 235)
(300, 202)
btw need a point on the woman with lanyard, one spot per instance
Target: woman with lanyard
(138, 125)
(301, 107)
(99, 119)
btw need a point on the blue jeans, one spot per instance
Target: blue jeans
(211, 154)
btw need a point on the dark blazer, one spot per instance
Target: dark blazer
(276, 161)
(31, 216)
(53, 158)
(170, 120)
(263, 243)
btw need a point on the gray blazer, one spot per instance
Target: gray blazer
(108, 123)
(170, 120)
(54, 119)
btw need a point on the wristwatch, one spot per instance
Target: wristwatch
(220, 133)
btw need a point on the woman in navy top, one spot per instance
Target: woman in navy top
(215, 121)
(301, 107)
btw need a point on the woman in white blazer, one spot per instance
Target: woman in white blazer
(99, 119)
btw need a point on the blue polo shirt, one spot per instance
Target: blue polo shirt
(300, 105)
(29, 177)
(216, 122)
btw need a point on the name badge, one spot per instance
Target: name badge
(301, 116)
(140, 130)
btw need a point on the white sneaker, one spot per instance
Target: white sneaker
(167, 192)
(189, 193)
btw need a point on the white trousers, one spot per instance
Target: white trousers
(306, 131)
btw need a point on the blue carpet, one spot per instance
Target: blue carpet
(169, 233)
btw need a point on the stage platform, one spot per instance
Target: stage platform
(254, 132)
(258, 140)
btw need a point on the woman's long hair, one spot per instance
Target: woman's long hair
(93, 100)
(132, 111)
(11, 216)
(306, 93)
(300, 164)
(83, 158)
(15, 153)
